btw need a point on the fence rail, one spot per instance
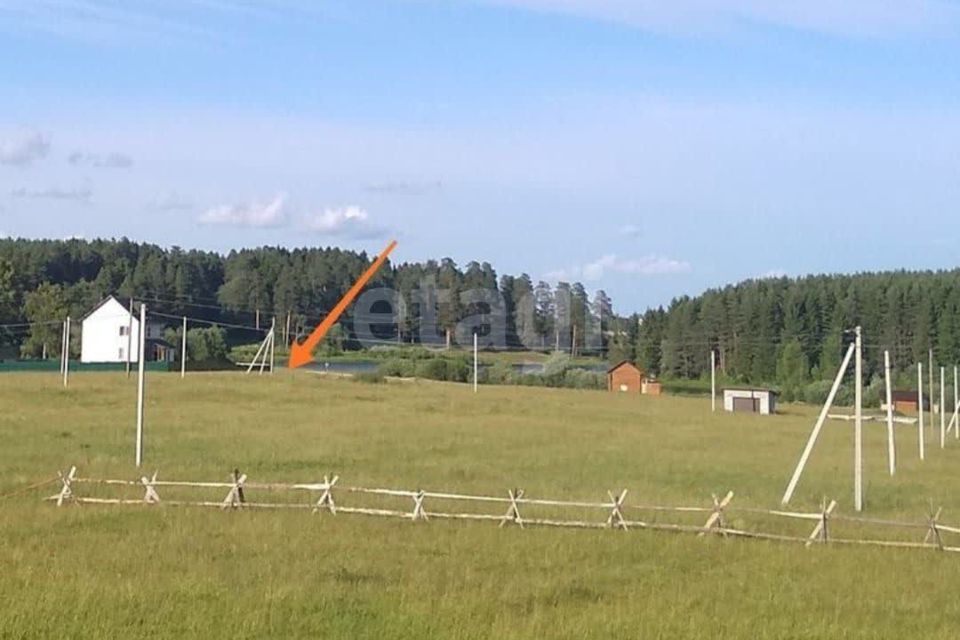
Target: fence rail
(614, 509)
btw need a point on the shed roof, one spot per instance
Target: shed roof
(752, 390)
(623, 363)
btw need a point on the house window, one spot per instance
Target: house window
(121, 353)
(123, 331)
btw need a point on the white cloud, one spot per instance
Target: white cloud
(23, 149)
(646, 266)
(256, 214)
(351, 221)
(81, 194)
(851, 18)
(101, 160)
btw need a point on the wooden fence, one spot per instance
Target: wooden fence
(514, 509)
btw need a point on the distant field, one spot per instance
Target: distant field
(111, 572)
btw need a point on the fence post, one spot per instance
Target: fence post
(616, 521)
(934, 531)
(418, 512)
(66, 492)
(715, 521)
(513, 513)
(150, 495)
(326, 498)
(819, 533)
(235, 497)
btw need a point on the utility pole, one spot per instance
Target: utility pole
(920, 434)
(183, 351)
(130, 338)
(476, 367)
(273, 344)
(141, 383)
(858, 426)
(891, 448)
(63, 345)
(930, 387)
(573, 343)
(713, 379)
(66, 353)
(943, 415)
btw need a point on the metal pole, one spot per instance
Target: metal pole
(858, 426)
(920, 434)
(183, 351)
(891, 448)
(816, 428)
(141, 381)
(476, 367)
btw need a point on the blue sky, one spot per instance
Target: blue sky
(648, 148)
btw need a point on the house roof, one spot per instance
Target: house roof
(752, 390)
(623, 363)
(903, 395)
(99, 306)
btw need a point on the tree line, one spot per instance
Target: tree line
(43, 281)
(793, 332)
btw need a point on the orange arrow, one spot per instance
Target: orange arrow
(301, 354)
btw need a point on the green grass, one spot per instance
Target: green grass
(109, 572)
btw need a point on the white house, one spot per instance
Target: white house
(104, 336)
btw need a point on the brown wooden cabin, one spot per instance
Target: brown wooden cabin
(905, 401)
(625, 377)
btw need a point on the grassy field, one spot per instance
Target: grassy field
(109, 572)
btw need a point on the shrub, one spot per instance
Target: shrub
(397, 367)
(369, 377)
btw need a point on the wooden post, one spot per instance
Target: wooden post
(812, 440)
(616, 519)
(891, 448)
(819, 533)
(66, 490)
(130, 338)
(715, 521)
(858, 424)
(713, 379)
(920, 434)
(476, 365)
(66, 354)
(183, 351)
(141, 382)
(513, 513)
